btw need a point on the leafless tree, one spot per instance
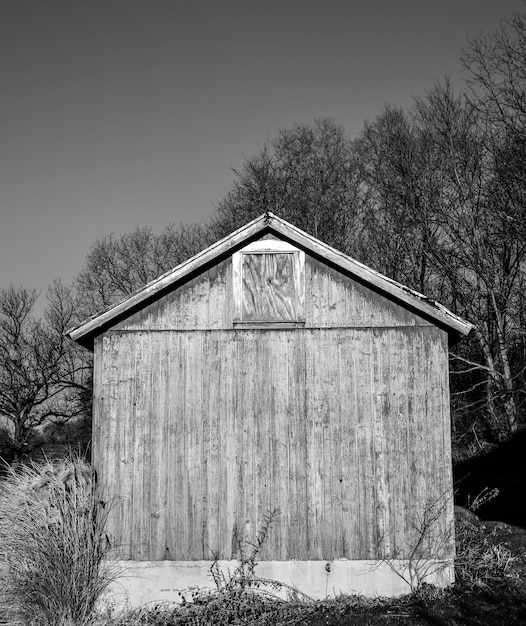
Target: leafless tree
(307, 175)
(41, 371)
(437, 221)
(401, 187)
(117, 266)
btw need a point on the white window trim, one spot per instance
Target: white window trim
(265, 246)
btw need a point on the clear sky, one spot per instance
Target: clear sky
(115, 113)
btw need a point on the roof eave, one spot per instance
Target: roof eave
(100, 320)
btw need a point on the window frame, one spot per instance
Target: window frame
(268, 246)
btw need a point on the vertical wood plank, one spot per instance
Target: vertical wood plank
(337, 427)
(124, 439)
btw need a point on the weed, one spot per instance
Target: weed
(485, 496)
(424, 559)
(240, 596)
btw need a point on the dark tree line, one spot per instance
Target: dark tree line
(432, 196)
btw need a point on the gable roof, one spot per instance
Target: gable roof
(85, 332)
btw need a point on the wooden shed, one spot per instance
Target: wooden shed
(271, 371)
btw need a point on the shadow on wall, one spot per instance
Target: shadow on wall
(503, 468)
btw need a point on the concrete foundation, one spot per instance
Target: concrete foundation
(144, 582)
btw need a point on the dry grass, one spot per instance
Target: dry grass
(52, 544)
(483, 561)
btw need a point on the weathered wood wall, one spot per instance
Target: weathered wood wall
(331, 300)
(199, 428)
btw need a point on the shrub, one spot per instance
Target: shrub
(52, 544)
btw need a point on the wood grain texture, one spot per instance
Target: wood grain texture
(331, 299)
(203, 302)
(201, 427)
(199, 433)
(269, 291)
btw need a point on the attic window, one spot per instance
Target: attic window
(269, 284)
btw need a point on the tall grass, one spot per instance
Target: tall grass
(52, 544)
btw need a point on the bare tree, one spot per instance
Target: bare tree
(438, 220)
(41, 371)
(117, 266)
(308, 175)
(401, 186)
(496, 74)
